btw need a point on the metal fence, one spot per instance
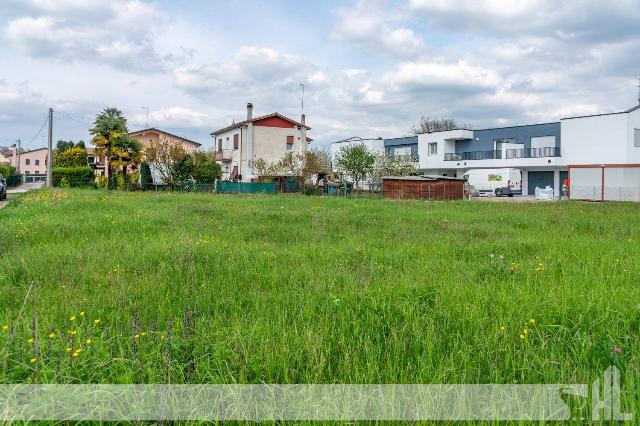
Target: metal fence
(608, 193)
(246, 187)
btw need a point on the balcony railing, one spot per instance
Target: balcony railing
(223, 155)
(551, 151)
(547, 151)
(473, 155)
(408, 157)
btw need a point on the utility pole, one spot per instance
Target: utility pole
(49, 183)
(18, 157)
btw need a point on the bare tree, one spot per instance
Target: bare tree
(430, 125)
(166, 157)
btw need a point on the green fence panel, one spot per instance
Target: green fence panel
(246, 187)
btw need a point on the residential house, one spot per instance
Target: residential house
(148, 137)
(152, 135)
(31, 164)
(597, 155)
(267, 137)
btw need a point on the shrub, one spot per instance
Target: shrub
(7, 170)
(102, 182)
(70, 157)
(307, 189)
(74, 175)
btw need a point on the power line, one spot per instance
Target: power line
(39, 131)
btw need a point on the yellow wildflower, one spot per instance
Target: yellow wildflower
(89, 341)
(502, 328)
(532, 321)
(68, 349)
(75, 354)
(33, 360)
(5, 327)
(97, 321)
(30, 340)
(144, 333)
(525, 331)
(72, 318)
(136, 336)
(522, 336)
(162, 337)
(82, 313)
(77, 351)
(52, 335)
(72, 332)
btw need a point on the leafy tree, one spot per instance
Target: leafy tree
(70, 157)
(110, 138)
(430, 125)
(301, 165)
(63, 145)
(355, 161)
(205, 168)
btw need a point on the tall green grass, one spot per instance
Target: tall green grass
(197, 288)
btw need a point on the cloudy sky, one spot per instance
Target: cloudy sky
(370, 68)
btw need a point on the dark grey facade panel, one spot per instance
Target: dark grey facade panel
(408, 140)
(483, 140)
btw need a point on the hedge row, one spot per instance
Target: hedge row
(72, 176)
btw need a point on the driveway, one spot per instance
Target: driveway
(20, 189)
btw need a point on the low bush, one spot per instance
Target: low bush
(7, 170)
(307, 189)
(73, 176)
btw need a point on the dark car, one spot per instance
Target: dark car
(3, 188)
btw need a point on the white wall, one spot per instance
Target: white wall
(596, 140)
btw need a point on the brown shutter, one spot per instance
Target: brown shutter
(289, 140)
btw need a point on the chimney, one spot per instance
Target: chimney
(302, 119)
(249, 111)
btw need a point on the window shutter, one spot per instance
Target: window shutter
(289, 140)
(235, 141)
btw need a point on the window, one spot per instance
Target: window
(433, 148)
(236, 139)
(27, 161)
(90, 159)
(26, 172)
(636, 138)
(219, 145)
(37, 162)
(37, 172)
(289, 143)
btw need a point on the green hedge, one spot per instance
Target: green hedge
(72, 176)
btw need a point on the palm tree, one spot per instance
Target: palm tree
(110, 138)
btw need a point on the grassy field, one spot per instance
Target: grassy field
(198, 288)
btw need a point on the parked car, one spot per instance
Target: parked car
(498, 181)
(3, 188)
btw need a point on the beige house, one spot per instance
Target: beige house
(150, 136)
(31, 164)
(268, 137)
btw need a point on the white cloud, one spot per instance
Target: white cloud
(369, 25)
(118, 33)
(172, 117)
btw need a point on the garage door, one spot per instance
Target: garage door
(539, 179)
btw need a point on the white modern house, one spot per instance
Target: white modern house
(598, 156)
